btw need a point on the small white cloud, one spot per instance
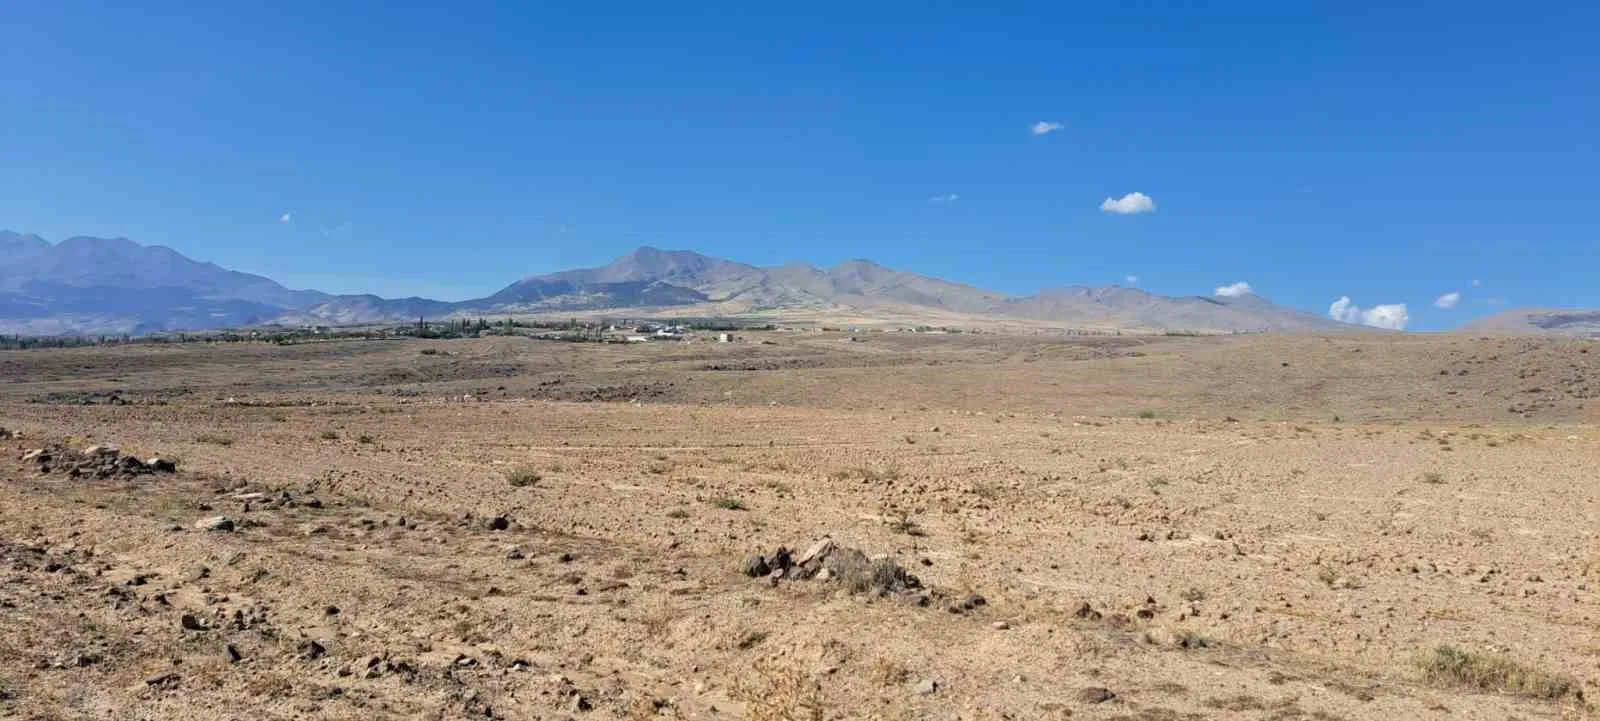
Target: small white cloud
(1132, 279)
(1129, 204)
(1045, 127)
(1234, 291)
(1476, 283)
(1393, 316)
(1447, 301)
(285, 218)
(943, 199)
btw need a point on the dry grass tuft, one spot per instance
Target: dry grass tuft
(523, 476)
(730, 504)
(778, 692)
(1450, 666)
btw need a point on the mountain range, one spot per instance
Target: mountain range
(88, 285)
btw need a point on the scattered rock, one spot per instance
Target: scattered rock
(311, 650)
(513, 553)
(190, 623)
(161, 679)
(233, 654)
(499, 523)
(6, 435)
(1000, 625)
(98, 461)
(221, 524)
(818, 551)
(1096, 694)
(926, 687)
(756, 567)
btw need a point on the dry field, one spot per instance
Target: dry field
(1362, 527)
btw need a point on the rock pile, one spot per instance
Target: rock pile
(6, 435)
(826, 560)
(97, 461)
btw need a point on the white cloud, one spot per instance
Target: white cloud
(1447, 301)
(1129, 204)
(1476, 283)
(1045, 127)
(942, 199)
(1132, 279)
(1235, 290)
(1392, 316)
(286, 217)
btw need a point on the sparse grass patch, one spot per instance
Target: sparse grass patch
(428, 351)
(1433, 477)
(329, 435)
(366, 439)
(1239, 702)
(1192, 595)
(899, 522)
(885, 671)
(867, 474)
(1147, 414)
(214, 439)
(678, 514)
(729, 503)
(778, 693)
(1451, 666)
(523, 476)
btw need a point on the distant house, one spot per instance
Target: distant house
(638, 339)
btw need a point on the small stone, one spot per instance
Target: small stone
(1096, 694)
(756, 567)
(233, 654)
(499, 523)
(1000, 625)
(33, 455)
(513, 553)
(161, 679)
(162, 465)
(102, 449)
(926, 687)
(190, 623)
(222, 524)
(823, 575)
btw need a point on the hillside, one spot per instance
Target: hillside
(1564, 322)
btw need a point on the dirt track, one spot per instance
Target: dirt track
(1242, 553)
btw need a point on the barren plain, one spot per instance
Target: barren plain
(1149, 528)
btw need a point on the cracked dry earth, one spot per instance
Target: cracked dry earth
(404, 556)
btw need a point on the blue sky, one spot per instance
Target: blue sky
(1388, 156)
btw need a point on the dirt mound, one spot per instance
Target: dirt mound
(97, 461)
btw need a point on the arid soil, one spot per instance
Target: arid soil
(1363, 527)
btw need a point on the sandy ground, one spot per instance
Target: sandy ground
(1159, 528)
